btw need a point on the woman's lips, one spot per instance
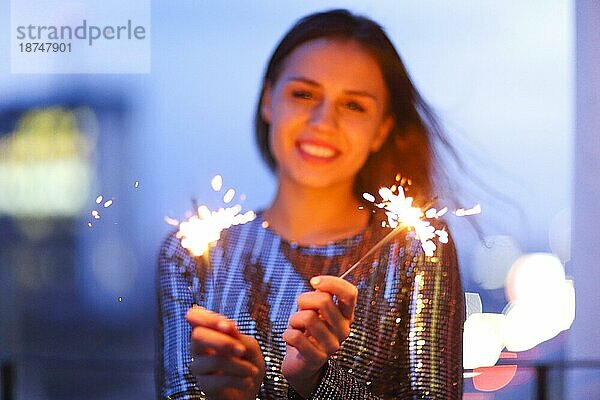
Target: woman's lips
(316, 151)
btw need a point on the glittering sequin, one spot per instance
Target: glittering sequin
(405, 341)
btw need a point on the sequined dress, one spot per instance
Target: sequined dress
(405, 341)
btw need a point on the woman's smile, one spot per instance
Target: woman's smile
(316, 151)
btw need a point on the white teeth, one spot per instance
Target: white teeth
(316, 150)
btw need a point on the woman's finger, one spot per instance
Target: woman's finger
(200, 316)
(209, 341)
(322, 303)
(234, 366)
(345, 292)
(305, 347)
(309, 322)
(253, 351)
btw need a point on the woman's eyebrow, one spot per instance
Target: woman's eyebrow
(361, 93)
(303, 80)
(310, 82)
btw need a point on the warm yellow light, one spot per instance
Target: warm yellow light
(44, 165)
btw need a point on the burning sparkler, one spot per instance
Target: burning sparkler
(401, 214)
(204, 228)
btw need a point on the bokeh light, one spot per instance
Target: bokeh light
(541, 301)
(533, 277)
(482, 340)
(492, 259)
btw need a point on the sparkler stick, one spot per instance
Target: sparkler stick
(373, 249)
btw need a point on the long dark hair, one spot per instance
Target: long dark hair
(409, 148)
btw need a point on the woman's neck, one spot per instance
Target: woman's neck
(315, 215)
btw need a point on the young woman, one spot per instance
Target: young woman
(268, 316)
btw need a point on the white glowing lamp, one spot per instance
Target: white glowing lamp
(531, 323)
(534, 276)
(542, 303)
(482, 340)
(527, 325)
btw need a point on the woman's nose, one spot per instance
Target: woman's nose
(324, 116)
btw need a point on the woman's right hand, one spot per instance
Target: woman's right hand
(226, 364)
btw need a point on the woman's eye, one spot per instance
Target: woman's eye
(354, 106)
(302, 94)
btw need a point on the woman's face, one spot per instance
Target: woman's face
(327, 113)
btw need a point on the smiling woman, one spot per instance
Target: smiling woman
(265, 315)
(327, 111)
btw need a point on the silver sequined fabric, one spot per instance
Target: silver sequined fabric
(405, 341)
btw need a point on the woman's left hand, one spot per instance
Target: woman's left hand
(317, 330)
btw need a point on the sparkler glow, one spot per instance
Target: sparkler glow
(228, 196)
(95, 213)
(401, 214)
(461, 212)
(204, 228)
(216, 183)
(171, 221)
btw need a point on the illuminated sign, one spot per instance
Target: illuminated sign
(45, 167)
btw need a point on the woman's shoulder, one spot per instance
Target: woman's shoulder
(171, 249)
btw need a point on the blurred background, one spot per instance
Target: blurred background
(514, 84)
